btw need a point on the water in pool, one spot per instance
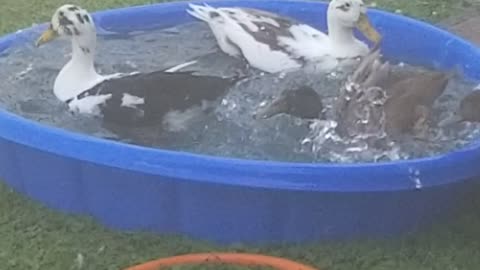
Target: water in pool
(27, 76)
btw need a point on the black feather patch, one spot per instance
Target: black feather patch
(80, 18)
(74, 8)
(86, 18)
(269, 33)
(67, 31)
(162, 92)
(344, 7)
(64, 21)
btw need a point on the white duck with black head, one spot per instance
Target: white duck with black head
(274, 43)
(135, 98)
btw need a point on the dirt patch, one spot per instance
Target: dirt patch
(466, 23)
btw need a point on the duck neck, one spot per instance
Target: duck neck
(339, 34)
(79, 73)
(83, 52)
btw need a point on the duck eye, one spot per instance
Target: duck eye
(344, 7)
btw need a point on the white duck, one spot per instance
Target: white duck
(136, 98)
(274, 43)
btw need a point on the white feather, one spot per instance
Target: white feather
(176, 121)
(181, 66)
(88, 105)
(131, 101)
(305, 41)
(258, 54)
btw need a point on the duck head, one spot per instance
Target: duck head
(301, 102)
(72, 22)
(75, 24)
(350, 14)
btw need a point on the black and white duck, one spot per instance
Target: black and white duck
(126, 99)
(274, 43)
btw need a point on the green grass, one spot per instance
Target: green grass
(33, 237)
(16, 14)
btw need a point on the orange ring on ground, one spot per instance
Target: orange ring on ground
(242, 259)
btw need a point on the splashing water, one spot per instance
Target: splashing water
(415, 176)
(27, 76)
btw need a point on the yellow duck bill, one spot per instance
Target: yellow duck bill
(46, 37)
(367, 29)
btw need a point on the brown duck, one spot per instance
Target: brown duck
(411, 99)
(410, 96)
(359, 106)
(407, 104)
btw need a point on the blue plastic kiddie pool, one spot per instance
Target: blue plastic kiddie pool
(232, 200)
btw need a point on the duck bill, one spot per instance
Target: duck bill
(46, 37)
(367, 29)
(277, 107)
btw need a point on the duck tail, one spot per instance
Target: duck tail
(202, 13)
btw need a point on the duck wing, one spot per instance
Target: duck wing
(146, 98)
(411, 99)
(424, 88)
(300, 40)
(267, 41)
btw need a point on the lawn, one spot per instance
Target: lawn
(33, 237)
(16, 14)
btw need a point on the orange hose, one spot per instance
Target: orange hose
(243, 259)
